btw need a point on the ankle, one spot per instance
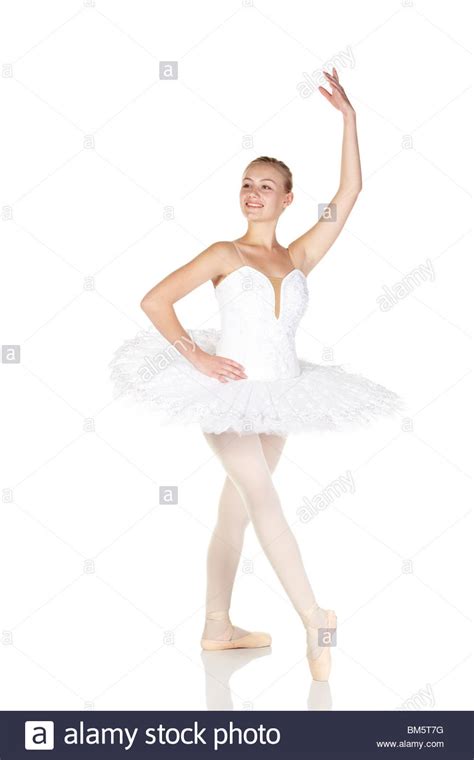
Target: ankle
(218, 615)
(315, 617)
(218, 625)
(309, 615)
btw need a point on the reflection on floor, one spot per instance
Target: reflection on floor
(220, 666)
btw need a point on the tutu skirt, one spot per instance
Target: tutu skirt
(149, 370)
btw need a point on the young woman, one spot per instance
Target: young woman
(245, 385)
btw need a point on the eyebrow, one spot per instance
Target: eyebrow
(262, 180)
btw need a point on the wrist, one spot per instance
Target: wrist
(194, 354)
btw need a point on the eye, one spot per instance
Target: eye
(246, 185)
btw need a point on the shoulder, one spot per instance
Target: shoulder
(217, 254)
(223, 252)
(222, 246)
(223, 259)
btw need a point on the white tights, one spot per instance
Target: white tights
(249, 495)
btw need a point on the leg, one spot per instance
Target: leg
(226, 543)
(244, 462)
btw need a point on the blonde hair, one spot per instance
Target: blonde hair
(283, 168)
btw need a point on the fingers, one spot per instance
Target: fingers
(230, 375)
(230, 369)
(324, 92)
(224, 377)
(334, 74)
(336, 84)
(234, 367)
(233, 363)
(333, 81)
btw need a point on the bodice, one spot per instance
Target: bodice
(253, 331)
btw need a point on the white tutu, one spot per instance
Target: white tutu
(150, 370)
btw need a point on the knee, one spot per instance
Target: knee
(257, 492)
(230, 523)
(242, 525)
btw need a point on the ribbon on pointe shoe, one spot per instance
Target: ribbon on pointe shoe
(219, 615)
(317, 619)
(215, 628)
(217, 631)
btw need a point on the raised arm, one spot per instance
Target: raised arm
(313, 244)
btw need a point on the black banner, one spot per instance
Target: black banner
(225, 734)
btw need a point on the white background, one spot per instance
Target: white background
(102, 587)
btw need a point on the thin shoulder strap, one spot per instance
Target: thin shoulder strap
(239, 252)
(291, 258)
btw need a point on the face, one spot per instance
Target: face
(262, 193)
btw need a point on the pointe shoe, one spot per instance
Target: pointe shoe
(321, 626)
(230, 637)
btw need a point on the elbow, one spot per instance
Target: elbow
(353, 189)
(349, 192)
(146, 304)
(354, 192)
(152, 303)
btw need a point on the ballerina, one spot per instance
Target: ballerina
(246, 387)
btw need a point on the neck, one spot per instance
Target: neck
(261, 234)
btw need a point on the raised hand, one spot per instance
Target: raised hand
(337, 97)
